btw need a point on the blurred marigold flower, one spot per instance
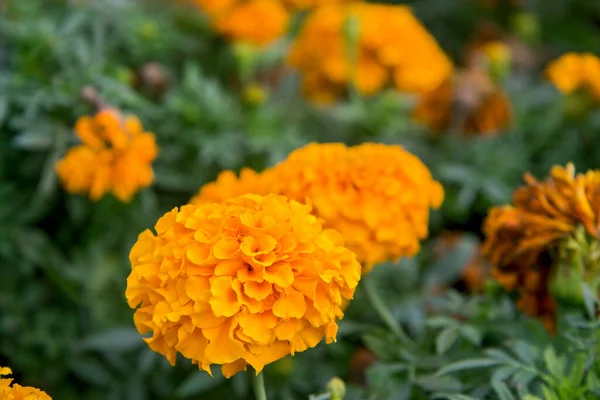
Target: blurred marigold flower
(257, 22)
(10, 391)
(238, 283)
(377, 196)
(574, 72)
(521, 238)
(390, 47)
(469, 102)
(115, 156)
(228, 185)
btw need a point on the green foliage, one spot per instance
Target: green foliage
(64, 323)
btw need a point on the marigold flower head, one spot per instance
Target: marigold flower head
(115, 156)
(576, 72)
(258, 22)
(10, 391)
(242, 282)
(392, 48)
(519, 238)
(470, 102)
(228, 185)
(377, 196)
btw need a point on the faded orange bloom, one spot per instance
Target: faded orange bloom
(257, 22)
(392, 48)
(13, 391)
(377, 196)
(228, 185)
(521, 238)
(243, 282)
(469, 101)
(576, 72)
(115, 156)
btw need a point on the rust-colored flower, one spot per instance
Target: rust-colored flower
(243, 282)
(576, 72)
(523, 240)
(115, 156)
(469, 102)
(377, 196)
(372, 46)
(228, 185)
(13, 391)
(257, 22)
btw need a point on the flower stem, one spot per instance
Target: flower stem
(378, 304)
(258, 383)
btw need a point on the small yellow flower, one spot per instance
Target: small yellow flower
(10, 391)
(377, 196)
(258, 22)
(115, 156)
(392, 49)
(255, 94)
(242, 282)
(520, 238)
(576, 71)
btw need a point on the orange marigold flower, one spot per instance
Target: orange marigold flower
(10, 391)
(521, 238)
(377, 196)
(245, 281)
(228, 185)
(258, 22)
(470, 102)
(115, 156)
(576, 71)
(392, 48)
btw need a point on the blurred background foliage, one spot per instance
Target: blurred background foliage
(64, 324)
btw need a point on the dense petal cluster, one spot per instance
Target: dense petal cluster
(574, 72)
(391, 48)
(377, 196)
(257, 22)
(521, 237)
(243, 282)
(10, 391)
(115, 156)
(468, 102)
(228, 185)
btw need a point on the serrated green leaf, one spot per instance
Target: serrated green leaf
(471, 333)
(115, 340)
(474, 363)
(554, 364)
(502, 390)
(445, 340)
(452, 396)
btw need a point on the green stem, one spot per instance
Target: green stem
(379, 306)
(258, 383)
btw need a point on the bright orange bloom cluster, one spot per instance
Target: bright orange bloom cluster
(392, 48)
(228, 185)
(519, 238)
(245, 281)
(576, 71)
(257, 22)
(377, 196)
(115, 156)
(18, 392)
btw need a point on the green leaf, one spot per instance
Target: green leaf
(589, 300)
(502, 390)
(577, 370)
(91, 371)
(554, 364)
(471, 333)
(445, 340)
(115, 340)
(433, 383)
(198, 382)
(452, 396)
(473, 363)
(501, 356)
(549, 394)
